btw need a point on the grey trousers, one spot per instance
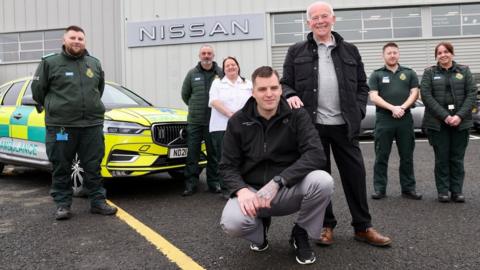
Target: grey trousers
(309, 198)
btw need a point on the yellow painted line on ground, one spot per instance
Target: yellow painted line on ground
(170, 251)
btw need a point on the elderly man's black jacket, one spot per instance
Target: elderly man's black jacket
(289, 147)
(300, 78)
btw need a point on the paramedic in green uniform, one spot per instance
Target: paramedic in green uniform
(448, 92)
(69, 85)
(394, 89)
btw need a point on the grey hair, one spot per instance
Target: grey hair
(206, 45)
(319, 3)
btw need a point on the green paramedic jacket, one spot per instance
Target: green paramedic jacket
(70, 89)
(195, 92)
(433, 91)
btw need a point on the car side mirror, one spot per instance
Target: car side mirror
(28, 101)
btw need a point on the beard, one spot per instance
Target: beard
(207, 62)
(73, 51)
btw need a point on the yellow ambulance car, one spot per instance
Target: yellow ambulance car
(139, 138)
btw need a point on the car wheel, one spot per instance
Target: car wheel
(176, 174)
(77, 178)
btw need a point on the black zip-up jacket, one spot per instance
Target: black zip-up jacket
(289, 147)
(300, 78)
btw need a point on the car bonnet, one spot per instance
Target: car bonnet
(146, 115)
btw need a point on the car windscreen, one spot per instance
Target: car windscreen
(116, 96)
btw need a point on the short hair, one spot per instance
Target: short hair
(205, 46)
(390, 44)
(236, 62)
(447, 46)
(74, 28)
(318, 3)
(264, 72)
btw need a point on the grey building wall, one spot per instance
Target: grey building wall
(157, 72)
(101, 21)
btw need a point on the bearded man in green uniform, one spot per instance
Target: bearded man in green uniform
(394, 89)
(69, 85)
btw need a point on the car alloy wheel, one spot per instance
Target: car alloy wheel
(77, 178)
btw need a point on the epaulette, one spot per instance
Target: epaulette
(48, 55)
(88, 55)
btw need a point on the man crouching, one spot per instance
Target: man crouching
(270, 164)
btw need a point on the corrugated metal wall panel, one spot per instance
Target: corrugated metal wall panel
(278, 57)
(100, 20)
(417, 54)
(157, 73)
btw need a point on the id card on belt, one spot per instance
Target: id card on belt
(62, 135)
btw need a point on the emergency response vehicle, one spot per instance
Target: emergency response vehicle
(139, 138)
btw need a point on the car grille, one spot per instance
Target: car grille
(170, 134)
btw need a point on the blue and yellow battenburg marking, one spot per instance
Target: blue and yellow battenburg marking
(5, 121)
(23, 124)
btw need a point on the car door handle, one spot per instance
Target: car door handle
(17, 116)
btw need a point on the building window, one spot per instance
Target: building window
(386, 23)
(379, 23)
(289, 27)
(29, 46)
(471, 19)
(349, 23)
(458, 20)
(446, 21)
(354, 24)
(407, 22)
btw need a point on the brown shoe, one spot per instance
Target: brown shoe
(326, 238)
(372, 237)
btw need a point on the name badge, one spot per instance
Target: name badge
(437, 77)
(197, 79)
(62, 136)
(451, 107)
(68, 73)
(386, 80)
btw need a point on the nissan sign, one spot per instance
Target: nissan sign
(195, 30)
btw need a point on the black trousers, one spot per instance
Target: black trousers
(88, 143)
(349, 160)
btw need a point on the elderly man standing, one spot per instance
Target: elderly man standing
(270, 163)
(326, 75)
(195, 94)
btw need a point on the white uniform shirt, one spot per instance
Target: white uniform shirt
(232, 95)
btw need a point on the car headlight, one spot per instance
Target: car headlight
(122, 127)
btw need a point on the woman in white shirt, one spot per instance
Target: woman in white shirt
(227, 95)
